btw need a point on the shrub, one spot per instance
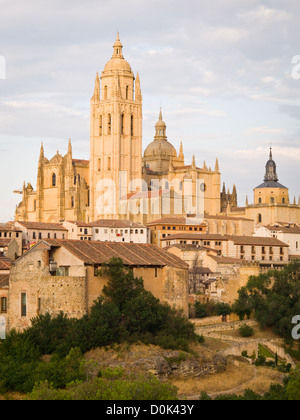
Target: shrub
(246, 331)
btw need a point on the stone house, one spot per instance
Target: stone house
(5, 264)
(62, 275)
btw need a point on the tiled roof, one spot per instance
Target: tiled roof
(256, 240)
(79, 224)
(5, 242)
(5, 263)
(238, 240)
(285, 229)
(4, 281)
(227, 260)
(194, 221)
(116, 223)
(97, 253)
(7, 227)
(80, 162)
(42, 226)
(196, 237)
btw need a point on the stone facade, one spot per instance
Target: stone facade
(57, 276)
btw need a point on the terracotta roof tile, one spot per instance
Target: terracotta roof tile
(42, 226)
(97, 253)
(116, 223)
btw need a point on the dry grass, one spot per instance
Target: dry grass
(258, 333)
(264, 379)
(237, 373)
(238, 377)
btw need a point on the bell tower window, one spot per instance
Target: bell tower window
(131, 125)
(100, 125)
(109, 124)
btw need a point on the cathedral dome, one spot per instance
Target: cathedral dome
(160, 148)
(117, 64)
(159, 152)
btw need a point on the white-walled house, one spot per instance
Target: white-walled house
(119, 231)
(289, 233)
(80, 231)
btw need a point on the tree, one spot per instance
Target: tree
(274, 297)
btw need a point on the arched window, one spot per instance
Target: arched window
(108, 163)
(259, 200)
(131, 125)
(283, 200)
(109, 124)
(272, 200)
(259, 218)
(99, 165)
(122, 124)
(105, 92)
(53, 180)
(100, 125)
(127, 90)
(72, 202)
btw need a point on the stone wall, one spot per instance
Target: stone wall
(43, 293)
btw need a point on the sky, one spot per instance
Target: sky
(225, 73)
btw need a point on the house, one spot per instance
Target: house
(79, 230)
(289, 233)
(9, 234)
(5, 264)
(113, 230)
(269, 252)
(35, 231)
(213, 225)
(63, 275)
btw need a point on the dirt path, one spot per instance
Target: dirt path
(235, 390)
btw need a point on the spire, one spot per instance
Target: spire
(247, 201)
(204, 166)
(138, 92)
(41, 154)
(181, 154)
(96, 95)
(70, 147)
(194, 163)
(217, 168)
(271, 174)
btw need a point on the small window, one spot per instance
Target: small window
(53, 180)
(156, 272)
(23, 304)
(3, 305)
(131, 125)
(109, 124)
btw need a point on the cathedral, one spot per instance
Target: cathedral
(119, 181)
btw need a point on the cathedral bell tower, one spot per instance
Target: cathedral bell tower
(115, 135)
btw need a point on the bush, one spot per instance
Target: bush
(108, 387)
(246, 331)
